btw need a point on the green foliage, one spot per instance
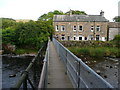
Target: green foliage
(116, 19)
(25, 50)
(30, 34)
(84, 51)
(8, 35)
(95, 52)
(76, 12)
(7, 22)
(116, 40)
(49, 15)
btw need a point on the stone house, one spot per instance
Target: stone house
(80, 27)
(113, 29)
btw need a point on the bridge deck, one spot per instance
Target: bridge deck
(56, 71)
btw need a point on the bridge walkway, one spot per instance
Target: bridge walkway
(56, 71)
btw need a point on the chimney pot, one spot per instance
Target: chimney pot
(102, 13)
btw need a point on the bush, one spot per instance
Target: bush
(84, 51)
(116, 40)
(96, 52)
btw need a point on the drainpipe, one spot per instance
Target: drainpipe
(94, 31)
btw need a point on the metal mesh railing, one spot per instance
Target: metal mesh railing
(44, 73)
(81, 75)
(31, 81)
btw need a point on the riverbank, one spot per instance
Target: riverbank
(19, 52)
(97, 52)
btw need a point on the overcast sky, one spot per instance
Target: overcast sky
(32, 9)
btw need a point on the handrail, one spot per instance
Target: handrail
(24, 76)
(43, 77)
(81, 75)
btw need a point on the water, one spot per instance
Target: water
(107, 68)
(12, 67)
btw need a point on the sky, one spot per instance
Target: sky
(33, 9)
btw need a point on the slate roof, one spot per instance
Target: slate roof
(79, 18)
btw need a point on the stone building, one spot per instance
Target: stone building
(114, 29)
(80, 27)
(22, 20)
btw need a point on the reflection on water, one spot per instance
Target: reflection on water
(107, 68)
(12, 68)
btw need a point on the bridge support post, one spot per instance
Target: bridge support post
(78, 74)
(25, 83)
(66, 62)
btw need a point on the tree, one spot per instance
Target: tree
(8, 22)
(8, 35)
(76, 12)
(117, 40)
(49, 15)
(116, 19)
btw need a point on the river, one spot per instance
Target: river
(12, 68)
(107, 68)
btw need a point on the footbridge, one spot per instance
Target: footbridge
(62, 69)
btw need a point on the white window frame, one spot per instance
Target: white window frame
(98, 28)
(79, 38)
(74, 29)
(62, 27)
(80, 28)
(62, 36)
(74, 38)
(98, 36)
(57, 28)
(91, 37)
(92, 28)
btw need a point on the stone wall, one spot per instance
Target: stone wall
(113, 32)
(87, 43)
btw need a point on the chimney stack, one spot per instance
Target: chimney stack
(102, 13)
(70, 12)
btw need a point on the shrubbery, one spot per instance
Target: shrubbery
(95, 51)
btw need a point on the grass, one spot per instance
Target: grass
(25, 51)
(96, 51)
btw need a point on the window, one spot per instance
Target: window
(80, 28)
(91, 37)
(98, 28)
(85, 38)
(56, 28)
(62, 28)
(74, 38)
(80, 38)
(63, 37)
(97, 37)
(74, 28)
(57, 36)
(92, 28)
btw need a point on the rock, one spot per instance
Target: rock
(12, 75)
(111, 67)
(107, 66)
(98, 72)
(105, 76)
